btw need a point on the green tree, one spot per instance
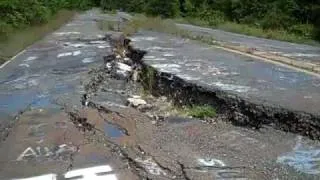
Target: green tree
(163, 8)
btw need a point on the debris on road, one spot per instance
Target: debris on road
(136, 102)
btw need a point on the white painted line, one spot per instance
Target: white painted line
(4, 64)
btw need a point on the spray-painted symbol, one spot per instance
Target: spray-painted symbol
(304, 159)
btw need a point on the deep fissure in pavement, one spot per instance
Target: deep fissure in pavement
(235, 109)
(238, 110)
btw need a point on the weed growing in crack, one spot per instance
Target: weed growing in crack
(147, 77)
(201, 111)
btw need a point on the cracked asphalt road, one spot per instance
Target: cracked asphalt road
(55, 136)
(214, 68)
(292, 50)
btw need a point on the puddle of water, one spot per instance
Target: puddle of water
(42, 101)
(112, 131)
(16, 101)
(19, 100)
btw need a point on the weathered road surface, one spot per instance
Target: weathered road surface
(256, 82)
(56, 137)
(296, 51)
(43, 83)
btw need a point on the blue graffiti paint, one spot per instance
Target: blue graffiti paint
(303, 159)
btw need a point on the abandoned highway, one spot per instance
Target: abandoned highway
(72, 109)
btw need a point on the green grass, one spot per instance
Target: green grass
(168, 26)
(281, 35)
(140, 22)
(148, 79)
(153, 24)
(250, 30)
(201, 112)
(20, 39)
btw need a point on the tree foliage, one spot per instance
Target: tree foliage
(16, 14)
(298, 16)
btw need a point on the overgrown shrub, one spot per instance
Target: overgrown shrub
(17, 14)
(300, 17)
(163, 8)
(213, 17)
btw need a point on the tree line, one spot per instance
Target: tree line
(301, 17)
(18, 14)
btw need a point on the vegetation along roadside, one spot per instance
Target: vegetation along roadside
(289, 20)
(22, 22)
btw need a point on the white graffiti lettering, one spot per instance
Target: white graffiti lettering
(218, 168)
(96, 173)
(44, 152)
(29, 152)
(211, 162)
(92, 173)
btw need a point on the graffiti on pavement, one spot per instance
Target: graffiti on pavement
(220, 169)
(305, 159)
(97, 173)
(60, 152)
(211, 162)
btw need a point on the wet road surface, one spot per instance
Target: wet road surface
(56, 137)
